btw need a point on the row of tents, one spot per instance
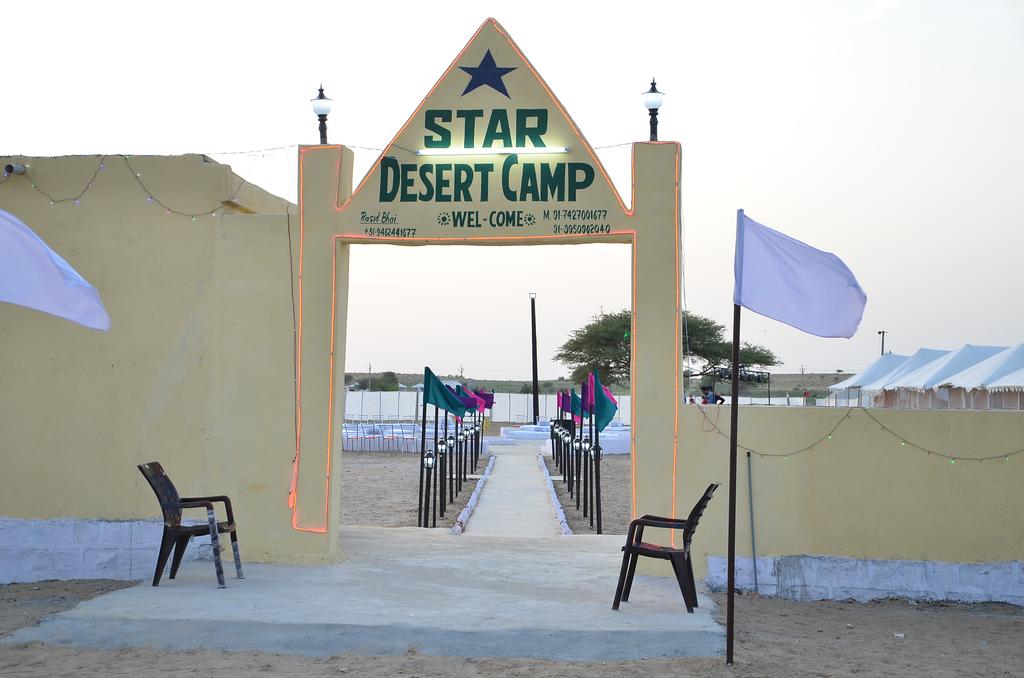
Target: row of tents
(970, 377)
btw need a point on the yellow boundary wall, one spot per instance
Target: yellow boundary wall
(860, 494)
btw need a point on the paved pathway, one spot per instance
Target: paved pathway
(405, 589)
(511, 586)
(515, 501)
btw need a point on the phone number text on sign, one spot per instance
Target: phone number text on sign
(580, 229)
(390, 232)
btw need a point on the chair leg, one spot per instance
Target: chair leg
(215, 542)
(629, 577)
(684, 583)
(238, 558)
(693, 584)
(166, 543)
(622, 580)
(180, 544)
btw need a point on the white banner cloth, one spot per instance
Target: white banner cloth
(33, 275)
(790, 281)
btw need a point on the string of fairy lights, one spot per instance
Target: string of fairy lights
(711, 426)
(151, 197)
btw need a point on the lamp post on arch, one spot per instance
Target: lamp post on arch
(652, 102)
(322, 107)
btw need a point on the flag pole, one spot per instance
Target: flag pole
(423, 452)
(733, 427)
(730, 610)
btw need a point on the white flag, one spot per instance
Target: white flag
(794, 283)
(33, 275)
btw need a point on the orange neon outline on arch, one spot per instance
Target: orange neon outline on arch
(357, 238)
(628, 212)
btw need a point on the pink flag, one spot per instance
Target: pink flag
(588, 393)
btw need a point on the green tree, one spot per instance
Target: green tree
(385, 381)
(603, 345)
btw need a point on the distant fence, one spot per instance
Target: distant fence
(399, 406)
(388, 421)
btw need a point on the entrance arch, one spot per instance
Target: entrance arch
(490, 157)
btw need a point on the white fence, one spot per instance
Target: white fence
(395, 406)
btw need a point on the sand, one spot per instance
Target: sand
(380, 488)
(774, 637)
(615, 497)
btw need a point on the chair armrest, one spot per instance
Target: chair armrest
(659, 521)
(196, 503)
(218, 498)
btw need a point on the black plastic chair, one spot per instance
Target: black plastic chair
(678, 557)
(177, 536)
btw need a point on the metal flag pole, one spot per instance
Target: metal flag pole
(730, 609)
(423, 452)
(555, 439)
(591, 465)
(460, 440)
(750, 502)
(730, 615)
(597, 471)
(451, 478)
(442, 468)
(588, 487)
(578, 456)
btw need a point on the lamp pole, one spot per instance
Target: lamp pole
(533, 322)
(652, 102)
(322, 106)
(882, 333)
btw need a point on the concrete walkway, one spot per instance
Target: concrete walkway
(507, 587)
(403, 588)
(515, 501)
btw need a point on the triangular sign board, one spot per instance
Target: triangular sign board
(489, 152)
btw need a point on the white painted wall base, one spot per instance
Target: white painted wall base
(833, 578)
(35, 550)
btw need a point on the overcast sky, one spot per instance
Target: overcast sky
(888, 132)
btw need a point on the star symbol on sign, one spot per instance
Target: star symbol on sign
(487, 73)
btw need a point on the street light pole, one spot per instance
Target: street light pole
(533, 322)
(883, 333)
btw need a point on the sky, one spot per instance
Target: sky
(888, 132)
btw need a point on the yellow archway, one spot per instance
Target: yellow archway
(490, 157)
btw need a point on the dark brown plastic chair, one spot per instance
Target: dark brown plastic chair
(678, 557)
(177, 536)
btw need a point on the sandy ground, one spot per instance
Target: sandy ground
(774, 637)
(380, 488)
(615, 497)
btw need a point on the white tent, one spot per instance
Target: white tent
(1014, 381)
(973, 388)
(993, 368)
(937, 371)
(921, 357)
(923, 388)
(884, 365)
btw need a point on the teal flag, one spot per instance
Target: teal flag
(577, 404)
(437, 394)
(604, 407)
